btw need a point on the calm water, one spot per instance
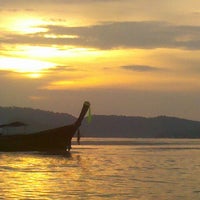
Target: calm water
(135, 169)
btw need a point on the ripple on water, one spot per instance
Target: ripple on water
(102, 172)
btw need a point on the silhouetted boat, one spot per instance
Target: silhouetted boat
(58, 139)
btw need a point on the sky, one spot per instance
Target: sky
(127, 57)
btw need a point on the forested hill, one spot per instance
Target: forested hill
(158, 127)
(35, 119)
(102, 125)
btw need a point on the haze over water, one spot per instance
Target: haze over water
(136, 169)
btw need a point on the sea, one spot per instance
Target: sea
(105, 168)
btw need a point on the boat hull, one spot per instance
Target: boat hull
(57, 139)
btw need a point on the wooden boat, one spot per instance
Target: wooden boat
(58, 139)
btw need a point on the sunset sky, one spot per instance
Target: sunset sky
(127, 57)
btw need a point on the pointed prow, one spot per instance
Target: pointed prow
(84, 110)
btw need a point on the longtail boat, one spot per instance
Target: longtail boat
(57, 139)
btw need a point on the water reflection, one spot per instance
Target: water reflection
(103, 172)
(26, 175)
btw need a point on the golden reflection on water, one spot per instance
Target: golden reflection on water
(103, 172)
(37, 176)
(27, 175)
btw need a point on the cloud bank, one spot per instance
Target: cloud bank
(113, 35)
(140, 68)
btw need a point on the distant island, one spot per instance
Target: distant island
(103, 125)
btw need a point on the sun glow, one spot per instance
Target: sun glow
(60, 36)
(55, 53)
(41, 52)
(84, 82)
(27, 25)
(32, 68)
(34, 75)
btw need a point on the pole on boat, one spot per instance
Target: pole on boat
(86, 107)
(84, 110)
(78, 137)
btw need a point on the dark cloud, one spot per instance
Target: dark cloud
(144, 35)
(132, 35)
(62, 69)
(140, 68)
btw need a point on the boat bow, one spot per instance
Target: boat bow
(48, 140)
(84, 110)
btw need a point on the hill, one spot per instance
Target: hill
(157, 127)
(102, 125)
(35, 119)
